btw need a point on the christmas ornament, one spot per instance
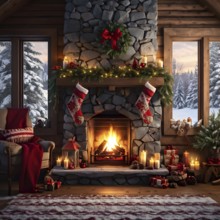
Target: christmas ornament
(142, 102)
(75, 103)
(114, 39)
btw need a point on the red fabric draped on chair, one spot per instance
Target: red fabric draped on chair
(32, 152)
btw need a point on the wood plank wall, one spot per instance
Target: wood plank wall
(183, 14)
(40, 14)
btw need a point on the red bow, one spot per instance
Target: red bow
(106, 35)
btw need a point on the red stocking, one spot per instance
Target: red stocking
(75, 103)
(143, 100)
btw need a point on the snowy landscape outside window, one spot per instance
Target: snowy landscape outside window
(5, 74)
(35, 73)
(214, 77)
(185, 72)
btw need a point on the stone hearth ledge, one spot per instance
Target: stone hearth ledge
(101, 171)
(106, 175)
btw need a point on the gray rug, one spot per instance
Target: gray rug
(39, 206)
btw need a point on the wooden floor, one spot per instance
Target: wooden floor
(208, 189)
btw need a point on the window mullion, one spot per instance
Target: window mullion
(204, 82)
(17, 75)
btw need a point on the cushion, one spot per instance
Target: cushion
(16, 118)
(20, 135)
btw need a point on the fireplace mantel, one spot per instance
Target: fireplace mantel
(111, 82)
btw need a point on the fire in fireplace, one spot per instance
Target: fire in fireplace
(109, 139)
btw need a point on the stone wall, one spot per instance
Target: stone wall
(122, 100)
(84, 18)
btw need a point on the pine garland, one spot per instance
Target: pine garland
(209, 136)
(98, 74)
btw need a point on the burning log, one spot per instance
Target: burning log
(119, 150)
(101, 148)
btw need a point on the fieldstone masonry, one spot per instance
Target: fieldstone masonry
(84, 18)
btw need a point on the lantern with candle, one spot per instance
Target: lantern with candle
(71, 148)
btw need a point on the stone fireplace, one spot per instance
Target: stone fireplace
(111, 103)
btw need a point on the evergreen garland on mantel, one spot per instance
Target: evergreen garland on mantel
(76, 72)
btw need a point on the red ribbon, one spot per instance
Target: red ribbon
(114, 37)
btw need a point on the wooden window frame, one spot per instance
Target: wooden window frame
(203, 36)
(17, 37)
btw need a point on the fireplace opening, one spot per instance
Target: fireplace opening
(109, 139)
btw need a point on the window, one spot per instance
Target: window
(5, 74)
(204, 80)
(214, 77)
(26, 56)
(185, 73)
(35, 74)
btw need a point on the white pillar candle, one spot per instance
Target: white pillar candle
(152, 162)
(66, 163)
(143, 157)
(58, 162)
(156, 164)
(192, 164)
(65, 62)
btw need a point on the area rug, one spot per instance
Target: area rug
(110, 207)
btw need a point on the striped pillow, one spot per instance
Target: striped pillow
(20, 135)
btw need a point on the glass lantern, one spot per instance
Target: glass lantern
(71, 151)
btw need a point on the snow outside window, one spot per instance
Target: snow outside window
(214, 77)
(5, 74)
(35, 69)
(185, 88)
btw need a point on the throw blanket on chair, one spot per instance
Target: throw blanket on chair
(32, 152)
(31, 165)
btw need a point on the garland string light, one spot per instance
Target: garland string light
(76, 72)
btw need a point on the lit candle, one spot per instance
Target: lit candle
(186, 158)
(197, 165)
(160, 63)
(144, 59)
(152, 162)
(156, 164)
(58, 162)
(65, 62)
(192, 164)
(66, 163)
(143, 157)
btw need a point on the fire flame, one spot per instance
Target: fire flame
(111, 139)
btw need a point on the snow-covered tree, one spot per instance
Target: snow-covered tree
(215, 74)
(192, 96)
(35, 96)
(5, 74)
(179, 96)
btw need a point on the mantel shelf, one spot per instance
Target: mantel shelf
(112, 82)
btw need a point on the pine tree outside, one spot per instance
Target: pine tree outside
(35, 78)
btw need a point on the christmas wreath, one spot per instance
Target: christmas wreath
(114, 39)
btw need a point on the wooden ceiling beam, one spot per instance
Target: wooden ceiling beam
(8, 7)
(213, 5)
